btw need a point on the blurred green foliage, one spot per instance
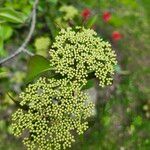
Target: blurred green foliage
(123, 110)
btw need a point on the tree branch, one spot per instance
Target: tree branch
(26, 41)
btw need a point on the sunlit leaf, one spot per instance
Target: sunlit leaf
(5, 32)
(116, 21)
(10, 15)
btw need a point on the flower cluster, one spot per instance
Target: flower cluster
(70, 12)
(75, 54)
(56, 109)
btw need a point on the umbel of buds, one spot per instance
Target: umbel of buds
(75, 54)
(57, 108)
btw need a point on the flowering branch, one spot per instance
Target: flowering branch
(24, 44)
(52, 109)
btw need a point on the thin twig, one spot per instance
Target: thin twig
(26, 41)
(27, 52)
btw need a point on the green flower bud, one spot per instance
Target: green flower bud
(76, 53)
(57, 108)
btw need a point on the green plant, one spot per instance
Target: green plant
(121, 110)
(53, 109)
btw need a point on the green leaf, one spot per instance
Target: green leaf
(132, 4)
(4, 72)
(1, 44)
(106, 120)
(89, 85)
(2, 21)
(137, 121)
(36, 65)
(116, 21)
(10, 15)
(5, 32)
(2, 51)
(53, 1)
(91, 21)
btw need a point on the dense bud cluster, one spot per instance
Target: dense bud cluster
(75, 54)
(56, 109)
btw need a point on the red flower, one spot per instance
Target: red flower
(106, 16)
(86, 13)
(116, 36)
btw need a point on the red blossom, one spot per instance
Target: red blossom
(86, 13)
(106, 16)
(116, 36)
